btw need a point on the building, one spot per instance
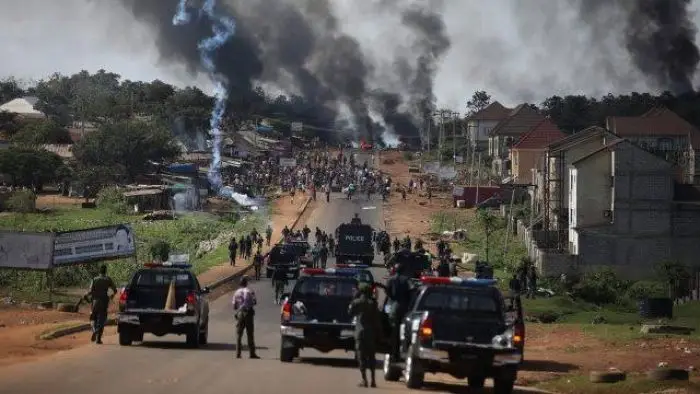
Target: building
(623, 213)
(502, 137)
(664, 133)
(481, 123)
(528, 153)
(24, 107)
(64, 151)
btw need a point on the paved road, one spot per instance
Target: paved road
(166, 366)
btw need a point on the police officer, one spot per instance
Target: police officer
(398, 290)
(257, 264)
(244, 302)
(268, 234)
(99, 288)
(365, 310)
(356, 219)
(323, 255)
(279, 281)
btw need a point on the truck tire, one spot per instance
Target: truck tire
(192, 337)
(476, 382)
(504, 380)
(413, 373)
(287, 354)
(204, 335)
(392, 373)
(662, 374)
(138, 337)
(607, 376)
(125, 338)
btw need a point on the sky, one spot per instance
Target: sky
(525, 50)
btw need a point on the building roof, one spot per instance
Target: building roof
(23, 106)
(612, 145)
(519, 121)
(540, 136)
(657, 122)
(64, 151)
(493, 111)
(576, 138)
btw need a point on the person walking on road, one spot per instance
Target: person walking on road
(279, 282)
(244, 302)
(366, 313)
(232, 249)
(323, 255)
(257, 264)
(98, 293)
(268, 234)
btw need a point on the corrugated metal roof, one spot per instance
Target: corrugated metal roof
(64, 151)
(23, 106)
(144, 192)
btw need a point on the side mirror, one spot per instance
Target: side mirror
(205, 290)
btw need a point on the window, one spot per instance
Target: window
(326, 287)
(458, 300)
(163, 278)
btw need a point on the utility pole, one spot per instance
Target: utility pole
(441, 139)
(430, 126)
(454, 138)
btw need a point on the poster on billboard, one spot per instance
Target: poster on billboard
(288, 162)
(28, 251)
(94, 244)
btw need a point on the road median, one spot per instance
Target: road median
(218, 287)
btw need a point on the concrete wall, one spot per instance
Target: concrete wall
(593, 190)
(479, 131)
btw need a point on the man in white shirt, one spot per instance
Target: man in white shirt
(244, 302)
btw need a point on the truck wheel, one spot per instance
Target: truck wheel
(476, 382)
(125, 339)
(287, 354)
(193, 337)
(503, 385)
(391, 372)
(138, 337)
(413, 374)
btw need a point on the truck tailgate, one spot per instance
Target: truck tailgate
(451, 328)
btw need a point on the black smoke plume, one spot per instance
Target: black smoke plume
(659, 36)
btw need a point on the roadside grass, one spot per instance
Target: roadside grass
(635, 383)
(183, 234)
(505, 250)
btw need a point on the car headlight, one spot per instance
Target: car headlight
(503, 341)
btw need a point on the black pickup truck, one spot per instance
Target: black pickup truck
(315, 314)
(458, 326)
(143, 309)
(288, 255)
(355, 244)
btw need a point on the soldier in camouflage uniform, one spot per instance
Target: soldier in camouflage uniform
(365, 310)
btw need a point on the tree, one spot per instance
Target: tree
(480, 100)
(38, 132)
(122, 150)
(30, 167)
(674, 275)
(9, 90)
(489, 224)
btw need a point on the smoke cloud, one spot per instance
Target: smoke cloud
(658, 34)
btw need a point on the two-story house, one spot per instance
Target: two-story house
(502, 137)
(480, 124)
(663, 133)
(528, 154)
(623, 214)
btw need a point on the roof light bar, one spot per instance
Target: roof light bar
(168, 264)
(331, 271)
(457, 281)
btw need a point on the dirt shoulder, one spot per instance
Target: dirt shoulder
(22, 325)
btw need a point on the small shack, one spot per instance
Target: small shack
(147, 199)
(472, 195)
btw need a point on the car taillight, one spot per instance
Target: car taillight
(425, 330)
(191, 299)
(123, 297)
(374, 290)
(286, 311)
(518, 333)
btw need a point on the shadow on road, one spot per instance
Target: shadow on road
(210, 346)
(547, 366)
(460, 389)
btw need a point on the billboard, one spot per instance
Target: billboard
(94, 244)
(287, 162)
(29, 251)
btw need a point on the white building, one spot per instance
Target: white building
(24, 107)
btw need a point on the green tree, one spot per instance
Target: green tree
(30, 167)
(479, 100)
(124, 149)
(674, 274)
(38, 132)
(489, 224)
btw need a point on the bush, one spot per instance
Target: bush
(160, 250)
(644, 289)
(112, 198)
(23, 201)
(408, 156)
(600, 288)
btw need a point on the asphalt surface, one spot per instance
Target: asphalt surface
(165, 365)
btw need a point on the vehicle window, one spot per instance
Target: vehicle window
(458, 300)
(365, 276)
(326, 287)
(163, 278)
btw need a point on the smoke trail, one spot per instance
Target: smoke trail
(223, 28)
